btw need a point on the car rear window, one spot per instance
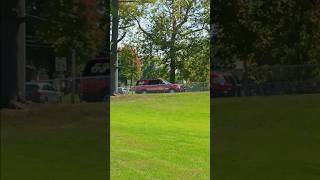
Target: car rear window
(142, 82)
(149, 82)
(155, 82)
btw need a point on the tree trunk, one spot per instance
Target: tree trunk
(172, 52)
(9, 48)
(172, 70)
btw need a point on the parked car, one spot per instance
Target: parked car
(236, 82)
(41, 92)
(123, 90)
(224, 84)
(157, 86)
(94, 83)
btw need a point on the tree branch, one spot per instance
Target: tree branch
(124, 27)
(141, 28)
(185, 18)
(124, 35)
(190, 32)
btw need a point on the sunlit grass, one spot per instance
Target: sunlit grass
(267, 138)
(160, 136)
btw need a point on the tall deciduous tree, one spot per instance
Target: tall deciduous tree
(70, 24)
(267, 32)
(172, 27)
(130, 64)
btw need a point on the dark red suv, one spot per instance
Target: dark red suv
(224, 84)
(157, 86)
(94, 83)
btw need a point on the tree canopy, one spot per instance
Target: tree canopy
(170, 34)
(69, 24)
(267, 32)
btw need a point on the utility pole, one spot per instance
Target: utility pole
(107, 51)
(114, 65)
(114, 47)
(107, 36)
(73, 75)
(21, 51)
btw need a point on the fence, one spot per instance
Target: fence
(197, 86)
(278, 80)
(266, 80)
(67, 94)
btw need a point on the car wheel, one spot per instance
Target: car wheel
(172, 91)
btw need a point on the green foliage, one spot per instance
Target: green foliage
(153, 68)
(195, 63)
(128, 13)
(70, 24)
(130, 64)
(258, 32)
(177, 34)
(270, 32)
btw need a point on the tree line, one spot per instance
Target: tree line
(170, 39)
(260, 32)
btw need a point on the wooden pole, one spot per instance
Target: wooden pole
(21, 51)
(73, 75)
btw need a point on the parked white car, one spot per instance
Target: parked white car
(42, 92)
(123, 90)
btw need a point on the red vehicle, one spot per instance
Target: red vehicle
(157, 86)
(224, 84)
(94, 83)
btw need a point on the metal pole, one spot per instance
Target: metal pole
(21, 53)
(114, 47)
(116, 74)
(73, 75)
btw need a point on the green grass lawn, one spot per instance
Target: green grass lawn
(165, 136)
(54, 142)
(267, 138)
(160, 136)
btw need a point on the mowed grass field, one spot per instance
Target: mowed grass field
(267, 138)
(160, 136)
(54, 142)
(165, 136)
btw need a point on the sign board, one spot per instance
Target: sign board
(61, 64)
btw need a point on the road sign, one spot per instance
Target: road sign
(61, 64)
